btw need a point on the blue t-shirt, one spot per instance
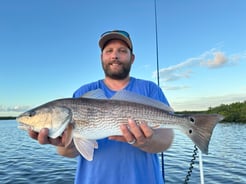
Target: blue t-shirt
(118, 162)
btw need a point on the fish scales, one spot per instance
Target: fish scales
(89, 119)
(91, 115)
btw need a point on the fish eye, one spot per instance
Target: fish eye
(32, 113)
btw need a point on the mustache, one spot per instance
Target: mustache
(115, 62)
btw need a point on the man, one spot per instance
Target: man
(130, 158)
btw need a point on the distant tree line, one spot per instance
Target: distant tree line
(235, 112)
(7, 117)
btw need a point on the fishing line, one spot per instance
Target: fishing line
(158, 82)
(192, 162)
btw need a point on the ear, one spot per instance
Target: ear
(132, 58)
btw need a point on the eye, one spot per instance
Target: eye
(123, 50)
(108, 50)
(32, 113)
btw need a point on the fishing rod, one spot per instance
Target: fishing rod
(157, 47)
(158, 78)
(195, 148)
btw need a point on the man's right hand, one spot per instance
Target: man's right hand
(43, 138)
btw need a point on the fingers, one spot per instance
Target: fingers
(33, 135)
(125, 129)
(117, 138)
(137, 134)
(42, 137)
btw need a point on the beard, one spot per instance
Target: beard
(121, 72)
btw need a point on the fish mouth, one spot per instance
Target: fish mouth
(25, 127)
(22, 125)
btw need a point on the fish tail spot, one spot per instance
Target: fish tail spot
(192, 119)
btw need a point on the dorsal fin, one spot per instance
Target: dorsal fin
(128, 96)
(97, 93)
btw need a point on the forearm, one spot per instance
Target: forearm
(159, 142)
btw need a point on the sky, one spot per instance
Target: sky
(49, 48)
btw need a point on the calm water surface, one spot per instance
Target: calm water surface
(23, 160)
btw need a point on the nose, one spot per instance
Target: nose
(115, 55)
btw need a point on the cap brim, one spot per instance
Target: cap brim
(112, 36)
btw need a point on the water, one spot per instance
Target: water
(225, 163)
(23, 160)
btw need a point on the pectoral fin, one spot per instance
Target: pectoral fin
(85, 147)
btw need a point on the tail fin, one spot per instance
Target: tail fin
(202, 129)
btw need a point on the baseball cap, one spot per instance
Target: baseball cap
(115, 34)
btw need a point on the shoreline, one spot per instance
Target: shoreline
(7, 117)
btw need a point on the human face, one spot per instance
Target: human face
(117, 60)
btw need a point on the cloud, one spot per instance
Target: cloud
(169, 87)
(203, 103)
(235, 58)
(211, 59)
(219, 59)
(13, 109)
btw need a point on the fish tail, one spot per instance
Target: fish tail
(202, 128)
